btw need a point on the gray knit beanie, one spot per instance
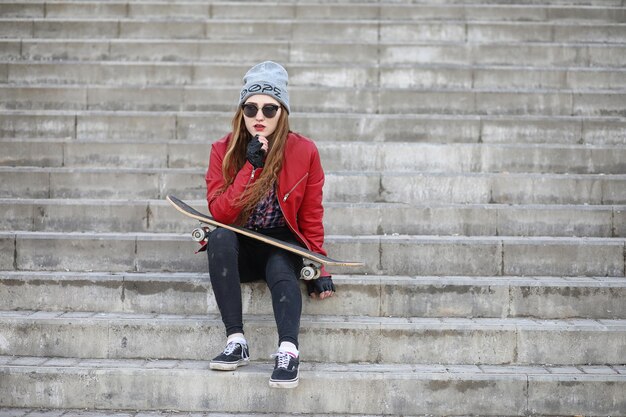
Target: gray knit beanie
(267, 78)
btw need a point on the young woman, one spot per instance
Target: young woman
(267, 178)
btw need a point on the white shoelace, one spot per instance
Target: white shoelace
(283, 359)
(230, 348)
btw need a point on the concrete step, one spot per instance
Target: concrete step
(351, 11)
(341, 127)
(344, 339)
(56, 412)
(322, 100)
(353, 156)
(586, 3)
(530, 54)
(189, 385)
(307, 29)
(417, 76)
(340, 186)
(87, 215)
(469, 220)
(357, 295)
(382, 255)
(533, 53)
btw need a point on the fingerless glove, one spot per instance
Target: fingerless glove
(320, 285)
(254, 154)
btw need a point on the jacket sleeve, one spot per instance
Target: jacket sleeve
(311, 211)
(223, 206)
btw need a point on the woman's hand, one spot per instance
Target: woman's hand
(256, 151)
(321, 288)
(265, 145)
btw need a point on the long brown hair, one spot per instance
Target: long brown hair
(235, 159)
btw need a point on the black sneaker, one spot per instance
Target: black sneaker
(285, 373)
(234, 355)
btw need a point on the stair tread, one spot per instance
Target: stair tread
(150, 89)
(314, 115)
(362, 279)
(349, 389)
(343, 238)
(331, 321)
(335, 204)
(291, 65)
(368, 22)
(328, 145)
(615, 372)
(157, 170)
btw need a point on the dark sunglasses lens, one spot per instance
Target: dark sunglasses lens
(250, 110)
(270, 111)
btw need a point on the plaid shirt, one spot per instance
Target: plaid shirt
(267, 213)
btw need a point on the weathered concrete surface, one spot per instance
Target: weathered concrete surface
(346, 339)
(191, 386)
(474, 157)
(358, 295)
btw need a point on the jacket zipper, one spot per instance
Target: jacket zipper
(251, 177)
(249, 181)
(294, 187)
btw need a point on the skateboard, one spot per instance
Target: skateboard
(312, 261)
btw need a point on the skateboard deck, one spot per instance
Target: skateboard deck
(312, 261)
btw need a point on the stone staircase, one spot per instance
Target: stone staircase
(475, 154)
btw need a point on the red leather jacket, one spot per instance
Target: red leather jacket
(299, 190)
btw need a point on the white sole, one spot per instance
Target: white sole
(220, 366)
(284, 384)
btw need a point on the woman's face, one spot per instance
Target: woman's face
(260, 124)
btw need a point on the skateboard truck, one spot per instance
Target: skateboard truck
(310, 270)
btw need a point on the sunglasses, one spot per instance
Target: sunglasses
(251, 110)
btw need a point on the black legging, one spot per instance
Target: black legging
(234, 259)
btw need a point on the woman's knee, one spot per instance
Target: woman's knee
(282, 266)
(221, 241)
(221, 237)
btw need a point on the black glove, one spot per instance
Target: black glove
(254, 153)
(320, 285)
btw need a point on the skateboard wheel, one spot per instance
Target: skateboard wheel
(198, 234)
(308, 273)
